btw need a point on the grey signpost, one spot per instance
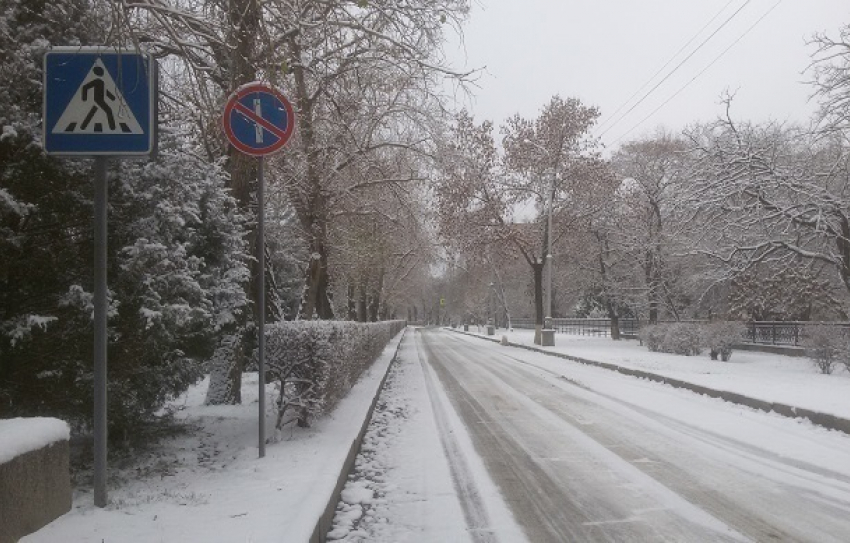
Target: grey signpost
(258, 120)
(99, 102)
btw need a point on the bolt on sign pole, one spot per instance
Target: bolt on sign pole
(258, 120)
(100, 102)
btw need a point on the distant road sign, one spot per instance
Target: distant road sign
(99, 101)
(258, 119)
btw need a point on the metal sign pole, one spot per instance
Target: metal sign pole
(76, 126)
(259, 120)
(261, 298)
(100, 329)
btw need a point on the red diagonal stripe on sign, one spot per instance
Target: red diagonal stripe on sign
(252, 116)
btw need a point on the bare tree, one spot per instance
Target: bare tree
(653, 173)
(356, 72)
(831, 68)
(486, 204)
(770, 196)
(554, 153)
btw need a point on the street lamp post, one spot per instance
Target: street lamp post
(547, 335)
(549, 254)
(491, 324)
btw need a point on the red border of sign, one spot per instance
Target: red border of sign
(231, 104)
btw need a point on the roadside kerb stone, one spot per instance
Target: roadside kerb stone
(825, 420)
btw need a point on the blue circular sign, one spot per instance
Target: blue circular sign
(258, 119)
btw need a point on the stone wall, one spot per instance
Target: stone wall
(35, 489)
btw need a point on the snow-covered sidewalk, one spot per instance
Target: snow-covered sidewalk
(209, 485)
(416, 456)
(764, 376)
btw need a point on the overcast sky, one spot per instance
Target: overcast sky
(603, 51)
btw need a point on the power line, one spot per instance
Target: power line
(694, 78)
(666, 77)
(661, 69)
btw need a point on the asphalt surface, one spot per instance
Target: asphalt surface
(578, 463)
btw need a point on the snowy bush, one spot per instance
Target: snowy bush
(683, 338)
(652, 336)
(826, 347)
(721, 337)
(317, 362)
(676, 338)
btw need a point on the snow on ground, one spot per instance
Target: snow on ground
(614, 438)
(404, 487)
(764, 376)
(209, 484)
(22, 435)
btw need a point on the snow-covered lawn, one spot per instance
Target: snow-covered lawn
(770, 377)
(209, 485)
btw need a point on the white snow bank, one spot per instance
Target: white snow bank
(764, 376)
(209, 485)
(22, 435)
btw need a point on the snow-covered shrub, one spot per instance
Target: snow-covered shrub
(826, 347)
(721, 337)
(652, 336)
(677, 338)
(682, 338)
(317, 362)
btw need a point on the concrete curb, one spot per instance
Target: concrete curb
(825, 420)
(323, 525)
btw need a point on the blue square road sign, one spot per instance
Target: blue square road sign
(99, 101)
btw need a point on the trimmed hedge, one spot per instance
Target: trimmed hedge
(317, 362)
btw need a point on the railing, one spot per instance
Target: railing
(583, 327)
(760, 332)
(786, 332)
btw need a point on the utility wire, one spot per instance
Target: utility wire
(666, 77)
(694, 78)
(661, 69)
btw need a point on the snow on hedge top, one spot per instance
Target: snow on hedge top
(22, 435)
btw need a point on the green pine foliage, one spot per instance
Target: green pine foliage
(177, 251)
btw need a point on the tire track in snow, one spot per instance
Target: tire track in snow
(560, 498)
(474, 510)
(758, 492)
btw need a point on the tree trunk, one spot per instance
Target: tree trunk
(225, 375)
(375, 298)
(652, 289)
(352, 302)
(310, 202)
(243, 19)
(843, 246)
(362, 305)
(316, 300)
(537, 268)
(615, 324)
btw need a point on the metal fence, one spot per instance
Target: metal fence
(761, 332)
(584, 327)
(787, 332)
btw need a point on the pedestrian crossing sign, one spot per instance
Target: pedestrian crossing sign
(99, 101)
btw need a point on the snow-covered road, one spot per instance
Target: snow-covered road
(583, 454)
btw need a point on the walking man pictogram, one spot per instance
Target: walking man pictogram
(99, 92)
